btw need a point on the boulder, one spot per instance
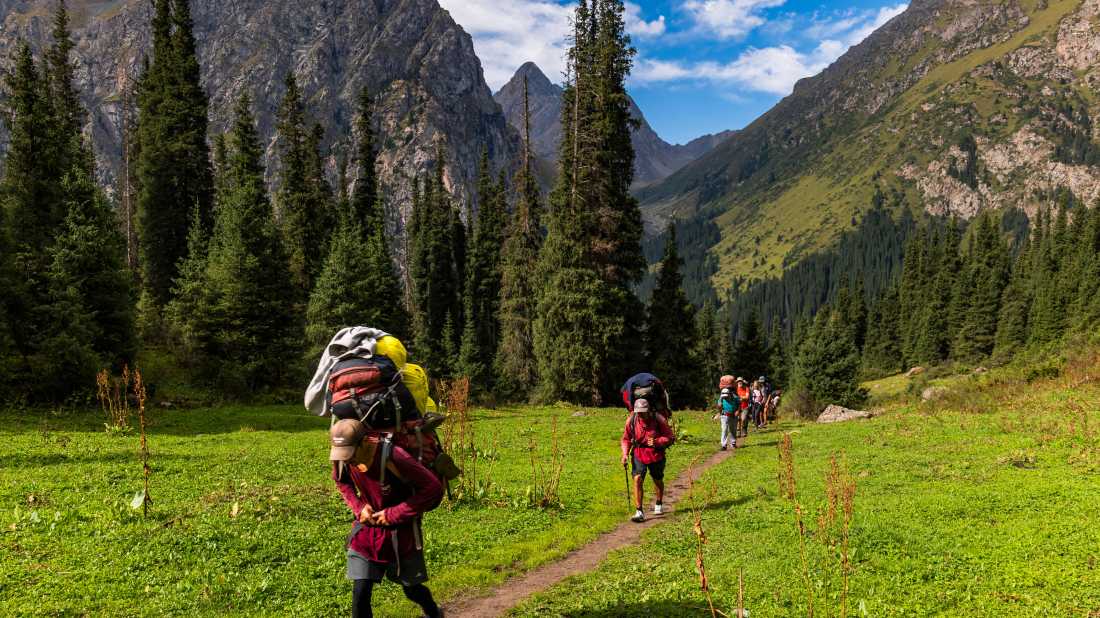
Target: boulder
(837, 414)
(933, 393)
(579, 413)
(981, 371)
(914, 372)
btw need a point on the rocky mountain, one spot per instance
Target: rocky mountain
(655, 158)
(952, 108)
(421, 65)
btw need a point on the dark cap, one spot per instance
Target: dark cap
(345, 437)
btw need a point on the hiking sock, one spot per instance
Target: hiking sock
(360, 599)
(420, 595)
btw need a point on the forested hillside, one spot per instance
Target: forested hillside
(956, 107)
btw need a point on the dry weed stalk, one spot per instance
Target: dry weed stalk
(113, 394)
(460, 440)
(140, 396)
(788, 489)
(698, 505)
(841, 490)
(546, 475)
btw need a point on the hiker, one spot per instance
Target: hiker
(757, 405)
(645, 438)
(387, 499)
(727, 416)
(772, 408)
(745, 395)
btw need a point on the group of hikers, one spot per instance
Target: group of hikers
(648, 431)
(390, 468)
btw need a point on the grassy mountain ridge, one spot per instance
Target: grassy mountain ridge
(955, 106)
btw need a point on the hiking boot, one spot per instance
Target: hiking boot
(658, 508)
(639, 516)
(723, 447)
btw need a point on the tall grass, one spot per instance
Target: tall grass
(459, 438)
(833, 533)
(546, 470)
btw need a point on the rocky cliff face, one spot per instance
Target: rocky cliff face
(952, 108)
(655, 158)
(421, 65)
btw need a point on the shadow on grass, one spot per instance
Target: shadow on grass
(730, 503)
(173, 422)
(653, 608)
(29, 460)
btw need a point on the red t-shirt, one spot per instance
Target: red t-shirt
(638, 430)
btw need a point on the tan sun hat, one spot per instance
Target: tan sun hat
(641, 406)
(345, 436)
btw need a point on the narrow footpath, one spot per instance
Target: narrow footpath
(514, 591)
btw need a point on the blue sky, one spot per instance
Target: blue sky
(702, 65)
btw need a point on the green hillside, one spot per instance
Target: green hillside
(929, 110)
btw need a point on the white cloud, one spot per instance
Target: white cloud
(507, 34)
(774, 69)
(729, 19)
(637, 26)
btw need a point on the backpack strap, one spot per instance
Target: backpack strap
(387, 451)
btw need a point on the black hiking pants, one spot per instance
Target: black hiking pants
(419, 594)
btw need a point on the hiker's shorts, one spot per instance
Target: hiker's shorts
(413, 571)
(657, 469)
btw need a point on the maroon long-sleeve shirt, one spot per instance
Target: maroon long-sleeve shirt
(404, 501)
(638, 430)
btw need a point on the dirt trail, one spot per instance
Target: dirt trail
(514, 591)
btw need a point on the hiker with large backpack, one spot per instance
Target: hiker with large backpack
(646, 436)
(728, 405)
(387, 458)
(387, 493)
(649, 387)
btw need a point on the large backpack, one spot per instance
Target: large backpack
(370, 389)
(647, 386)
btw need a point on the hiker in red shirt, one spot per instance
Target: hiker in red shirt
(746, 396)
(387, 500)
(645, 438)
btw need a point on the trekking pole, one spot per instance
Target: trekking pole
(626, 477)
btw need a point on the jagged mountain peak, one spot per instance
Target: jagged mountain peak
(654, 157)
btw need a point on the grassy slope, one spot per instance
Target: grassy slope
(70, 545)
(764, 226)
(984, 504)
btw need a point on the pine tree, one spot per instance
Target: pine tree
(335, 303)
(173, 159)
(750, 353)
(1015, 307)
(882, 352)
(67, 110)
(987, 274)
(670, 327)
(32, 201)
(435, 274)
(364, 198)
(188, 292)
(301, 204)
(778, 363)
(481, 331)
(707, 351)
(827, 363)
(253, 329)
(1046, 321)
(587, 333)
(515, 365)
